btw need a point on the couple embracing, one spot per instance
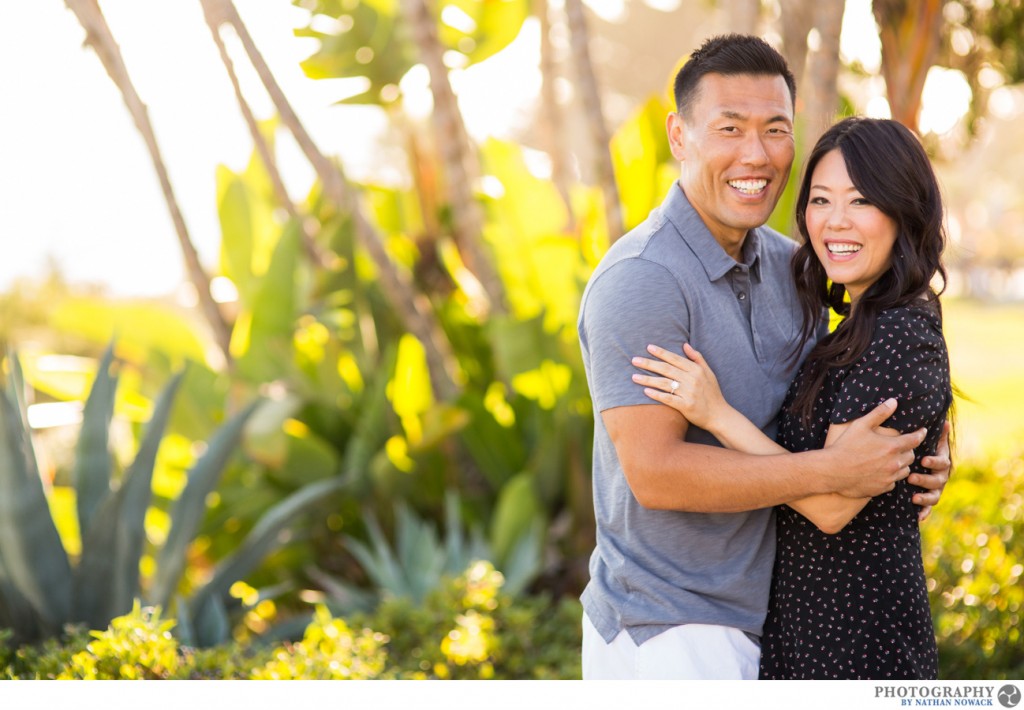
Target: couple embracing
(758, 480)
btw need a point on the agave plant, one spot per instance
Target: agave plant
(41, 591)
(420, 560)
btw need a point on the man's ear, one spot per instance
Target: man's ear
(676, 129)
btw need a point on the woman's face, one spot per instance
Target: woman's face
(852, 238)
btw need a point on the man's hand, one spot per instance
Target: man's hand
(934, 482)
(870, 459)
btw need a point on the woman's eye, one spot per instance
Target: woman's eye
(819, 201)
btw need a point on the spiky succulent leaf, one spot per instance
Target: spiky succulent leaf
(107, 576)
(31, 552)
(93, 459)
(190, 507)
(268, 534)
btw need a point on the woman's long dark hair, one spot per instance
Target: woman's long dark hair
(889, 167)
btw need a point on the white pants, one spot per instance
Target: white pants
(688, 652)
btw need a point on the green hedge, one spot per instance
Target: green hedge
(467, 629)
(973, 548)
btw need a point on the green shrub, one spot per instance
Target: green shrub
(41, 661)
(329, 650)
(469, 629)
(465, 629)
(974, 559)
(136, 646)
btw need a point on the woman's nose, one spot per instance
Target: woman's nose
(837, 217)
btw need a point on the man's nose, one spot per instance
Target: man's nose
(754, 152)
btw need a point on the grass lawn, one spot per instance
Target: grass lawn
(986, 345)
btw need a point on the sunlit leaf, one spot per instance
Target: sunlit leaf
(264, 343)
(518, 510)
(410, 391)
(138, 327)
(644, 167)
(370, 44)
(492, 26)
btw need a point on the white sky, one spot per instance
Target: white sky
(76, 183)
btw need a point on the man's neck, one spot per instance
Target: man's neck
(731, 241)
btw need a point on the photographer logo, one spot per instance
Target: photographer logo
(1009, 696)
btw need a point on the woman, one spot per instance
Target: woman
(848, 590)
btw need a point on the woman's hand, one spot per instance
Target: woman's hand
(687, 385)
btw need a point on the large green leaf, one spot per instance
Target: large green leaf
(107, 576)
(370, 40)
(369, 44)
(379, 563)
(139, 327)
(644, 166)
(420, 553)
(541, 265)
(371, 431)
(93, 459)
(492, 26)
(16, 612)
(517, 511)
(249, 230)
(30, 548)
(519, 345)
(188, 510)
(262, 340)
(268, 534)
(497, 450)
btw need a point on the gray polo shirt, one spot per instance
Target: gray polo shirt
(668, 282)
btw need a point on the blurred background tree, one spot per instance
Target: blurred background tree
(409, 325)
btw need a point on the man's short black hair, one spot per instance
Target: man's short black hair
(729, 55)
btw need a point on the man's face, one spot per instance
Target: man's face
(735, 151)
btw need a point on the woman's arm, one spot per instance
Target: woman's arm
(690, 387)
(698, 397)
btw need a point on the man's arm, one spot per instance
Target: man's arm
(934, 483)
(666, 472)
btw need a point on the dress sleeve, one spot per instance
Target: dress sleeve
(633, 304)
(907, 359)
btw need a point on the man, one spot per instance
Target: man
(685, 533)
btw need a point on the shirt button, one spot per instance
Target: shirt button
(742, 296)
(736, 269)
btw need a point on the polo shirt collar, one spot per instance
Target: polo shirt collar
(716, 263)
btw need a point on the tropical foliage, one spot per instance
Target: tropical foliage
(467, 628)
(376, 463)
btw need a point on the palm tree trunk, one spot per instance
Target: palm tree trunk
(413, 309)
(822, 91)
(795, 21)
(453, 146)
(910, 31)
(99, 37)
(591, 96)
(552, 121)
(317, 255)
(742, 16)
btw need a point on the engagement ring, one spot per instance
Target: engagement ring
(674, 386)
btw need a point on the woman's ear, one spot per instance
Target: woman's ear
(676, 129)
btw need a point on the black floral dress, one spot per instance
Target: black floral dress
(854, 605)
